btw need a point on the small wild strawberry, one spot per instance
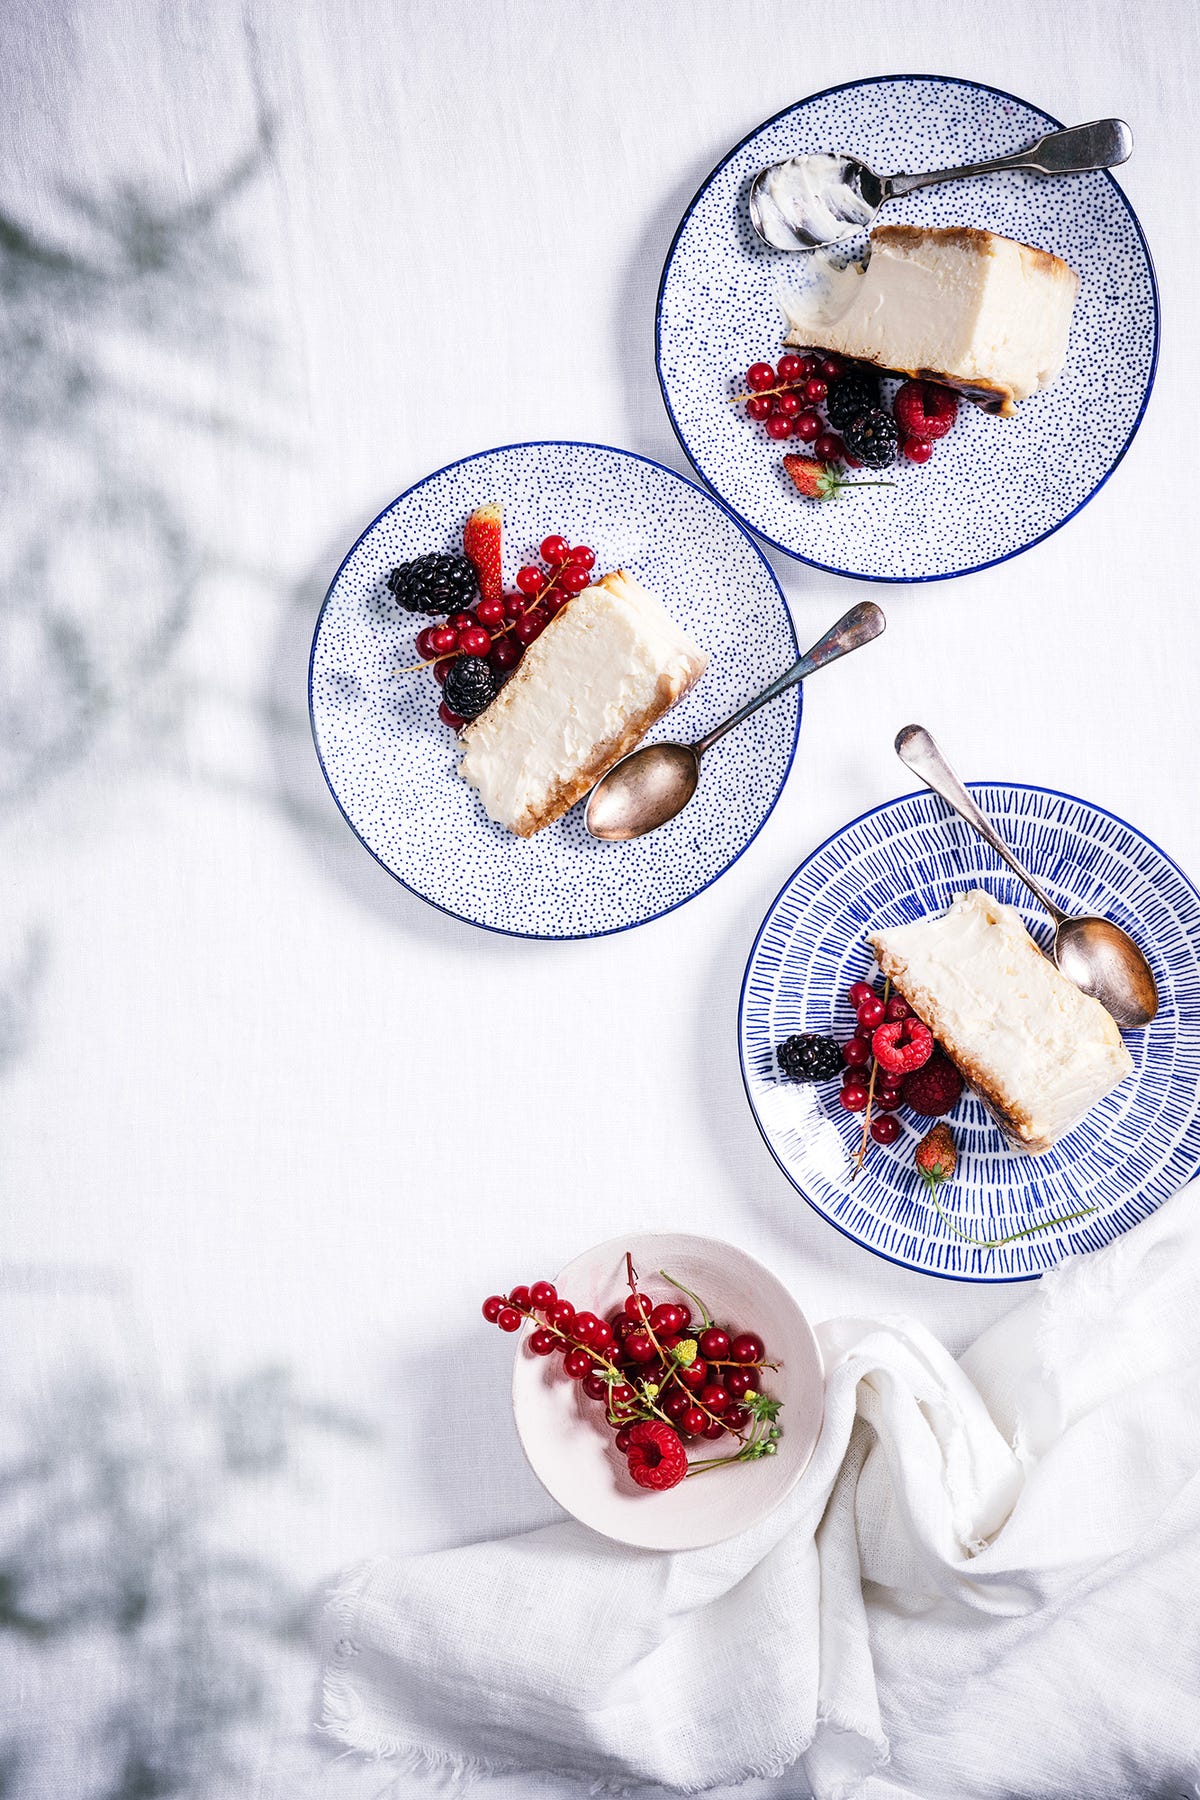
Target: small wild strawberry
(819, 480)
(936, 1156)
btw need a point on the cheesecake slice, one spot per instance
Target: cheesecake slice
(1037, 1051)
(584, 694)
(974, 311)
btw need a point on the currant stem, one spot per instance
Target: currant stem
(704, 1312)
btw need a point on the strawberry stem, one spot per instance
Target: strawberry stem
(1012, 1236)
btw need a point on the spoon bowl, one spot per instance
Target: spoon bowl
(644, 790)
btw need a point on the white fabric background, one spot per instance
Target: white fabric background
(257, 1104)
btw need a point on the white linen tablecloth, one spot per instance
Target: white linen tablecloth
(270, 1127)
(1000, 1558)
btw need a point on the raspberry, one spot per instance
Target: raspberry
(936, 1088)
(656, 1455)
(925, 410)
(902, 1045)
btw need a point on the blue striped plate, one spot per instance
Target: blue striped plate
(913, 857)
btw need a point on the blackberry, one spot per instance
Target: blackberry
(435, 584)
(469, 686)
(857, 392)
(807, 1057)
(872, 438)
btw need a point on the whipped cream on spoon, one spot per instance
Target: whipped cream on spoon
(825, 198)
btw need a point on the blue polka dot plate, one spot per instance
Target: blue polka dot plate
(913, 857)
(994, 486)
(392, 766)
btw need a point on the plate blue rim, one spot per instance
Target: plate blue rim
(832, 568)
(1027, 787)
(539, 444)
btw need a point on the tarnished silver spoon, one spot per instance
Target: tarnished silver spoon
(1092, 952)
(654, 783)
(809, 200)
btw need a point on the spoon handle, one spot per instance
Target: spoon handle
(915, 747)
(1101, 145)
(854, 629)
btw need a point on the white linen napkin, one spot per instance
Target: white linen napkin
(987, 1581)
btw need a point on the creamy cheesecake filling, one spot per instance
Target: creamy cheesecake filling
(1034, 1047)
(585, 691)
(975, 310)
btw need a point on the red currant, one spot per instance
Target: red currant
(622, 1438)
(622, 1394)
(862, 990)
(561, 1314)
(759, 375)
(461, 621)
(602, 1337)
(832, 368)
(829, 447)
(442, 668)
(666, 1319)
(490, 612)
(692, 1421)
(758, 407)
(492, 1307)
(809, 365)
(505, 654)
(530, 580)
(857, 1052)
(694, 1375)
(918, 450)
(530, 626)
(519, 1296)
(584, 1328)
(574, 579)
(897, 1008)
(639, 1306)
(555, 550)
(514, 605)
(714, 1397)
(888, 1099)
(639, 1349)
(739, 1382)
(542, 1342)
(476, 641)
(854, 1097)
(815, 391)
(425, 649)
(885, 1129)
(789, 404)
(714, 1429)
(736, 1419)
(807, 426)
(676, 1403)
(747, 1348)
(443, 641)
(542, 1294)
(508, 1319)
(577, 1364)
(583, 557)
(779, 427)
(714, 1343)
(595, 1387)
(791, 367)
(870, 1013)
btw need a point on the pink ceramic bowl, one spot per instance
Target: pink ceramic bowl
(571, 1448)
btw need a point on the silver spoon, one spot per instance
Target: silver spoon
(809, 200)
(654, 783)
(1092, 952)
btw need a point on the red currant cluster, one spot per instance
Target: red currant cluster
(785, 401)
(650, 1364)
(500, 628)
(892, 1061)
